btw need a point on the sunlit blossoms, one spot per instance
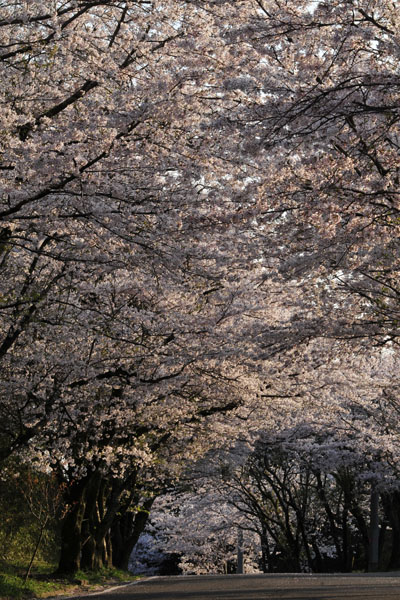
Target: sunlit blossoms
(198, 244)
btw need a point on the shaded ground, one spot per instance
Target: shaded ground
(43, 583)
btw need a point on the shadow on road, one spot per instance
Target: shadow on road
(262, 587)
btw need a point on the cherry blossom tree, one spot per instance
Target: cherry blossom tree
(198, 199)
(317, 118)
(117, 303)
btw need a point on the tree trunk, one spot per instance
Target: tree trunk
(265, 553)
(101, 510)
(28, 571)
(347, 557)
(71, 529)
(345, 479)
(373, 560)
(126, 531)
(391, 506)
(107, 551)
(89, 559)
(333, 526)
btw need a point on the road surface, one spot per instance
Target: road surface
(261, 587)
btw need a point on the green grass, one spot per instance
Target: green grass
(42, 583)
(104, 576)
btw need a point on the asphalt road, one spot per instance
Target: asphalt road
(261, 587)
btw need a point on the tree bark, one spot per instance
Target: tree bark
(333, 526)
(102, 506)
(391, 506)
(373, 560)
(90, 523)
(126, 531)
(71, 529)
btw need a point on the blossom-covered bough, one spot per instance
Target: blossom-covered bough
(197, 197)
(117, 298)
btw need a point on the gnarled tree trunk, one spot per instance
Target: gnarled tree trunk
(126, 531)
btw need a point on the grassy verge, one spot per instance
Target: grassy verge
(43, 584)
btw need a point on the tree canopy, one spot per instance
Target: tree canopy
(199, 217)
